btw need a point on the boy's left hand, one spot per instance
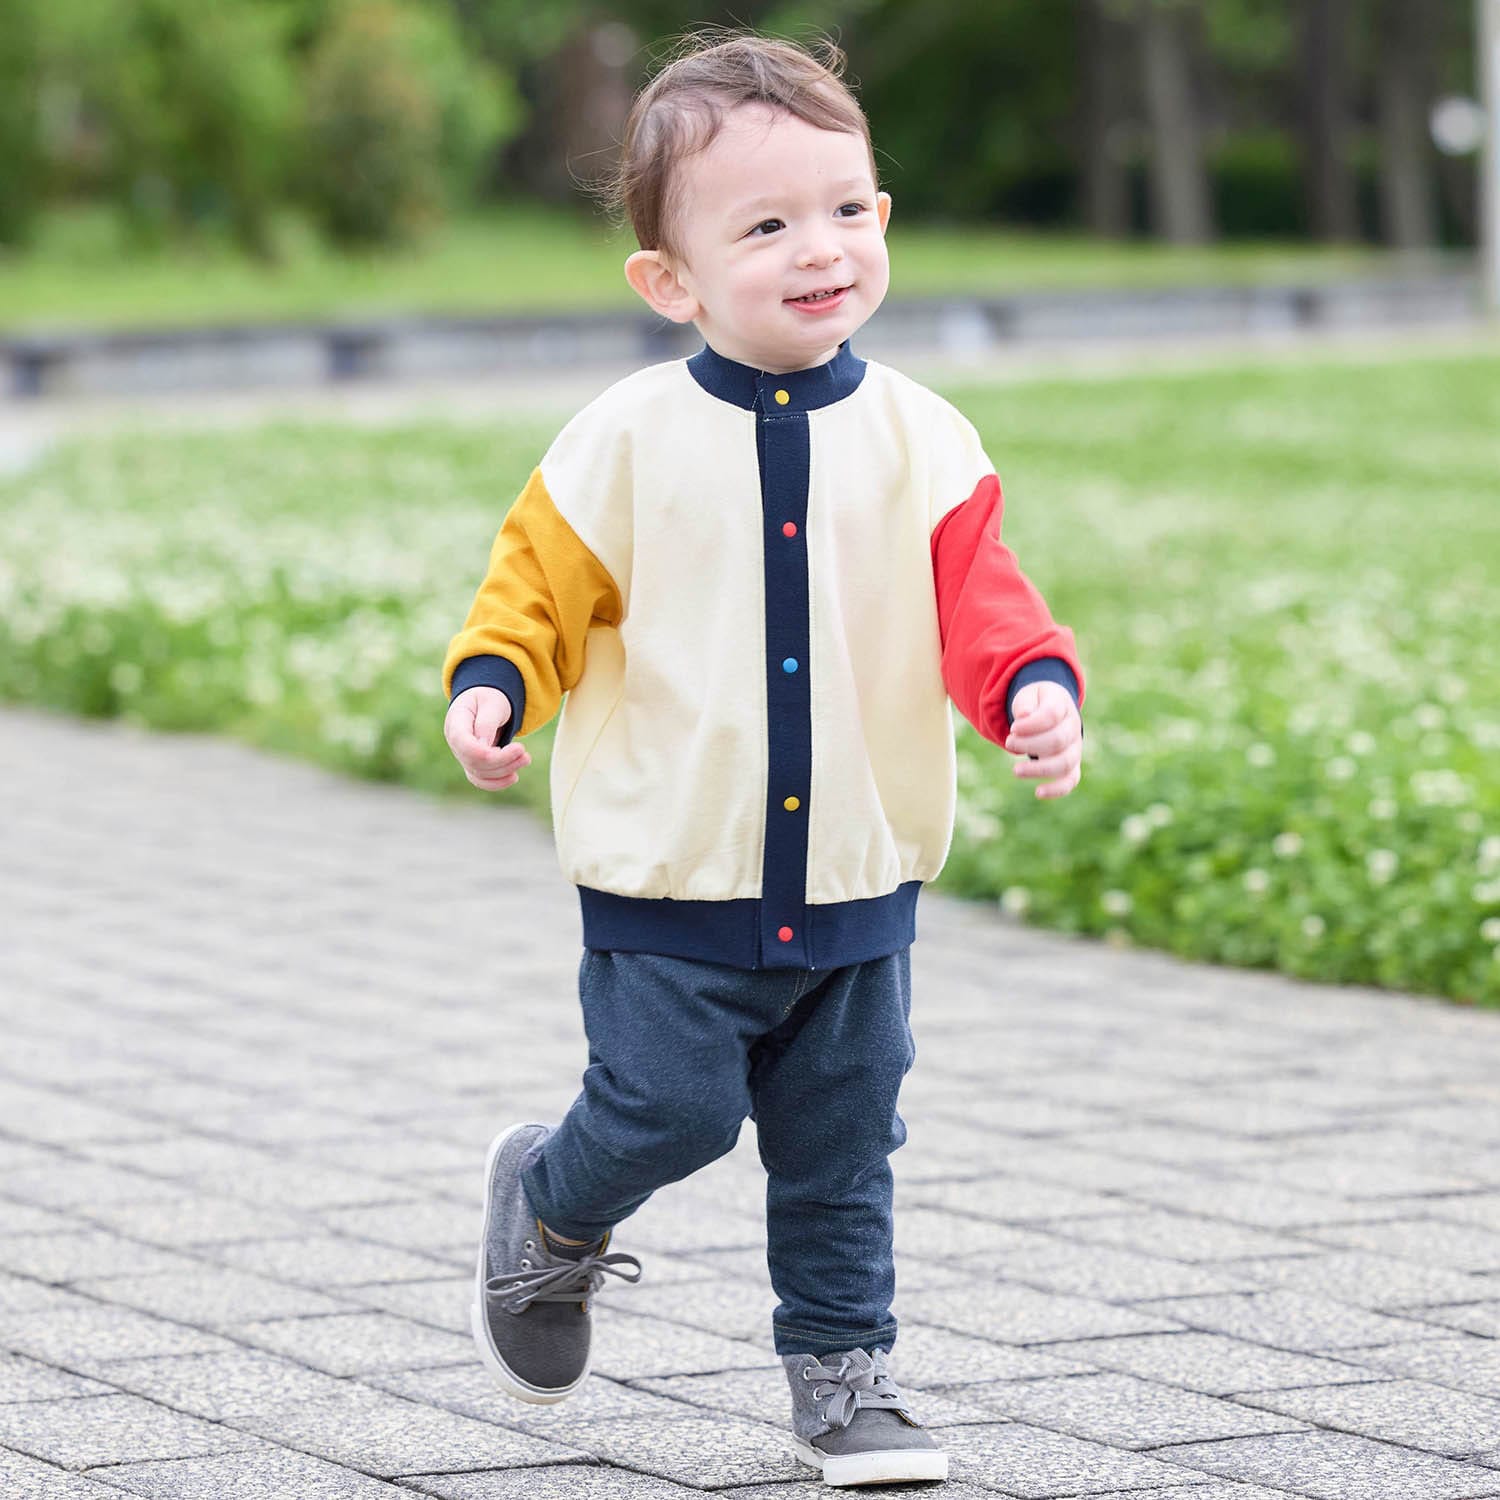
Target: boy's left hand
(1047, 726)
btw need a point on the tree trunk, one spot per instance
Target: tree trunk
(1332, 208)
(1179, 184)
(1407, 184)
(1106, 198)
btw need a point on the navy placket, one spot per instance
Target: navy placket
(783, 449)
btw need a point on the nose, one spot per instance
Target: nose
(819, 250)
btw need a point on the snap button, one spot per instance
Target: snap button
(790, 529)
(782, 398)
(791, 804)
(790, 664)
(785, 934)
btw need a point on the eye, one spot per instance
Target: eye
(775, 223)
(858, 208)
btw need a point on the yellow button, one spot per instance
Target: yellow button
(782, 398)
(791, 804)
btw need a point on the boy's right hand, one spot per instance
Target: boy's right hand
(475, 719)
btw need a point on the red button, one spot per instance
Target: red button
(790, 529)
(785, 934)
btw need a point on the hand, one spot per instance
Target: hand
(1048, 729)
(475, 719)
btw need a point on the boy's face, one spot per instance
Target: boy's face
(773, 209)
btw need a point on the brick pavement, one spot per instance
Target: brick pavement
(1164, 1230)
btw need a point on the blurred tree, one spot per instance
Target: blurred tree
(22, 165)
(1329, 175)
(1182, 209)
(1103, 38)
(1404, 90)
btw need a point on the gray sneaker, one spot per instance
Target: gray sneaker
(850, 1420)
(530, 1315)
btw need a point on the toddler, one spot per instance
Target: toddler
(759, 574)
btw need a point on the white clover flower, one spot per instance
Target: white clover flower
(1136, 829)
(1260, 754)
(1382, 808)
(1470, 821)
(1015, 899)
(1443, 787)
(1313, 926)
(1487, 895)
(1489, 855)
(1429, 716)
(1287, 845)
(126, 677)
(1159, 814)
(1256, 880)
(1116, 903)
(1489, 929)
(1341, 768)
(981, 825)
(1381, 864)
(1360, 743)
(1451, 689)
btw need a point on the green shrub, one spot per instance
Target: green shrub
(21, 159)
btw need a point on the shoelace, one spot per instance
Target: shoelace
(860, 1380)
(559, 1281)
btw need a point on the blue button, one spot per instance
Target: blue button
(790, 664)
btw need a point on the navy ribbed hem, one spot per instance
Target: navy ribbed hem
(729, 932)
(495, 672)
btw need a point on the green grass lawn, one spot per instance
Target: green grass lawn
(1281, 578)
(527, 259)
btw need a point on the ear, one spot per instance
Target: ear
(657, 282)
(883, 209)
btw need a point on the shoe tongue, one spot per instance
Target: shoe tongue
(570, 1252)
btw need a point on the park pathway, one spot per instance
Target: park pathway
(1165, 1231)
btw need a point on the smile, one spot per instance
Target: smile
(823, 301)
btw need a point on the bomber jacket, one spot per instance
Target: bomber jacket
(759, 593)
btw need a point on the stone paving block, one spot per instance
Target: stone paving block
(57, 1118)
(1018, 1114)
(681, 1223)
(1211, 1363)
(64, 1258)
(564, 1482)
(1411, 1412)
(1175, 1145)
(1193, 1237)
(921, 1231)
(260, 1471)
(86, 1430)
(220, 1386)
(20, 1218)
(1114, 1275)
(1378, 1282)
(1482, 1318)
(1012, 1200)
(815, 1489)
(472, 1391)
(1480, 1209)
(329, 1261)
(1293, 1320)
(357, 1343)
(1244, 1113)
(299, 1186)
(83, 1335)
(25, 1478)
(214, 1298)
(1022, 1315)
(69, 1183)
(1122, 1411)
(1257, 1207)
(18, 1295)
(1464, 1363)
(383, 1435)
(432, 1226)
(1036, 1464)
(627, 1348)
(1339, 1466)
(709, 1453)
(24, 1379)
(439, 1304)
(1466, 1247)
(732, 1309)
(927, 1358)
(1356, 1176)
(179, 1157)
(175, 1219)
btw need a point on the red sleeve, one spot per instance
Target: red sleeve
(992, 620)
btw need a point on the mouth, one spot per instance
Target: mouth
(825, 299)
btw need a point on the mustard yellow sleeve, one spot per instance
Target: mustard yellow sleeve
(542, 593)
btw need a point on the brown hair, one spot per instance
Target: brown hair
(681, 110)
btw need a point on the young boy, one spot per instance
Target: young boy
(759, 574)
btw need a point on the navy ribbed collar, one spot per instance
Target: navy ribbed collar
(806, 390)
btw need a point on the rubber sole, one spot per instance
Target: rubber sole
(479, 1325)
(888, 1466)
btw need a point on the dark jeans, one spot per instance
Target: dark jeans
(680, 1051)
